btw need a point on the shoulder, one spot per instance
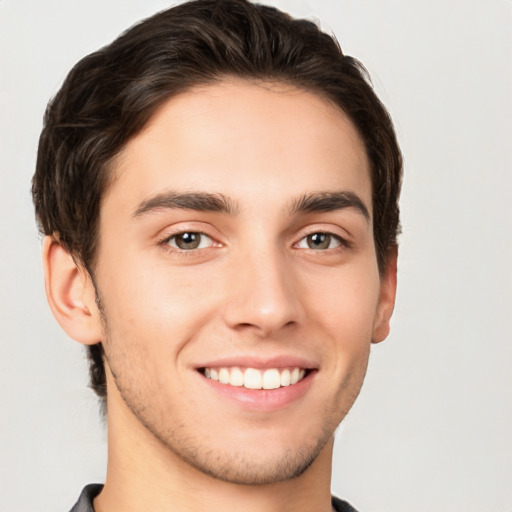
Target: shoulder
(84, 503)
(342, 506)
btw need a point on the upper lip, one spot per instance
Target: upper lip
(247, 361)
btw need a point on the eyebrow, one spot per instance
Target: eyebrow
(328, 202)
(219, 203)
(199, 201)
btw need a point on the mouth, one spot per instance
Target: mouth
(254, 378)
(259, 385)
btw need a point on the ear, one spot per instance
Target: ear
(71, 294)
(386, 298)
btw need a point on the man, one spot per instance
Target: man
(218, 193)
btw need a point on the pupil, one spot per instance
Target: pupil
(188, 240)
(319, 241)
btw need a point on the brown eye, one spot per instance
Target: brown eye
(319, 242)
(189, 240)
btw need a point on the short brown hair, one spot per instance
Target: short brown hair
(110, 95)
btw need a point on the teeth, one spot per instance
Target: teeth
(285, 377)
(271, 379)
(236, 378)
(252, 378)
(224, 376)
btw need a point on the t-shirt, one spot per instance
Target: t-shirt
(84, 503)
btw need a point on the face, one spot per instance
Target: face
(239, 281)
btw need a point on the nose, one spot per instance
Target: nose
(262, 294)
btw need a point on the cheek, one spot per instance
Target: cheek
(154, 308)
(346, 303)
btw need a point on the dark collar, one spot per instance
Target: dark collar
(84, 503)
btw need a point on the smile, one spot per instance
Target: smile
(252, 378)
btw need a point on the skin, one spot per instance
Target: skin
(253, 289)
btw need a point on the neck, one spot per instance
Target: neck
(143, 474)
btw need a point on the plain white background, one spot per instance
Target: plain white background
(432, 428)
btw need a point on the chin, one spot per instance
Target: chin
(262, 455)
(258, 466)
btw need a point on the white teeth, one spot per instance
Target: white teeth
(224, 376)
(271, 379)
(251, 378)
(236, 378)
(285, 377)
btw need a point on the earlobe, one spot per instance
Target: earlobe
(386, 298)
(70, 293)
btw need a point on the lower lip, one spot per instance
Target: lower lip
(262, 400)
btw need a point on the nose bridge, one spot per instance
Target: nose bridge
(262, 293)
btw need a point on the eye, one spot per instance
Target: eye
(189, 240)
(320, 242)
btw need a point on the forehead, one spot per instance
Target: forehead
(244, 139)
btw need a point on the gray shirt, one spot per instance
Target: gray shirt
(84, 503)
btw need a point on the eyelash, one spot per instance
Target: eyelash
(342, 243)
(166, 242)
